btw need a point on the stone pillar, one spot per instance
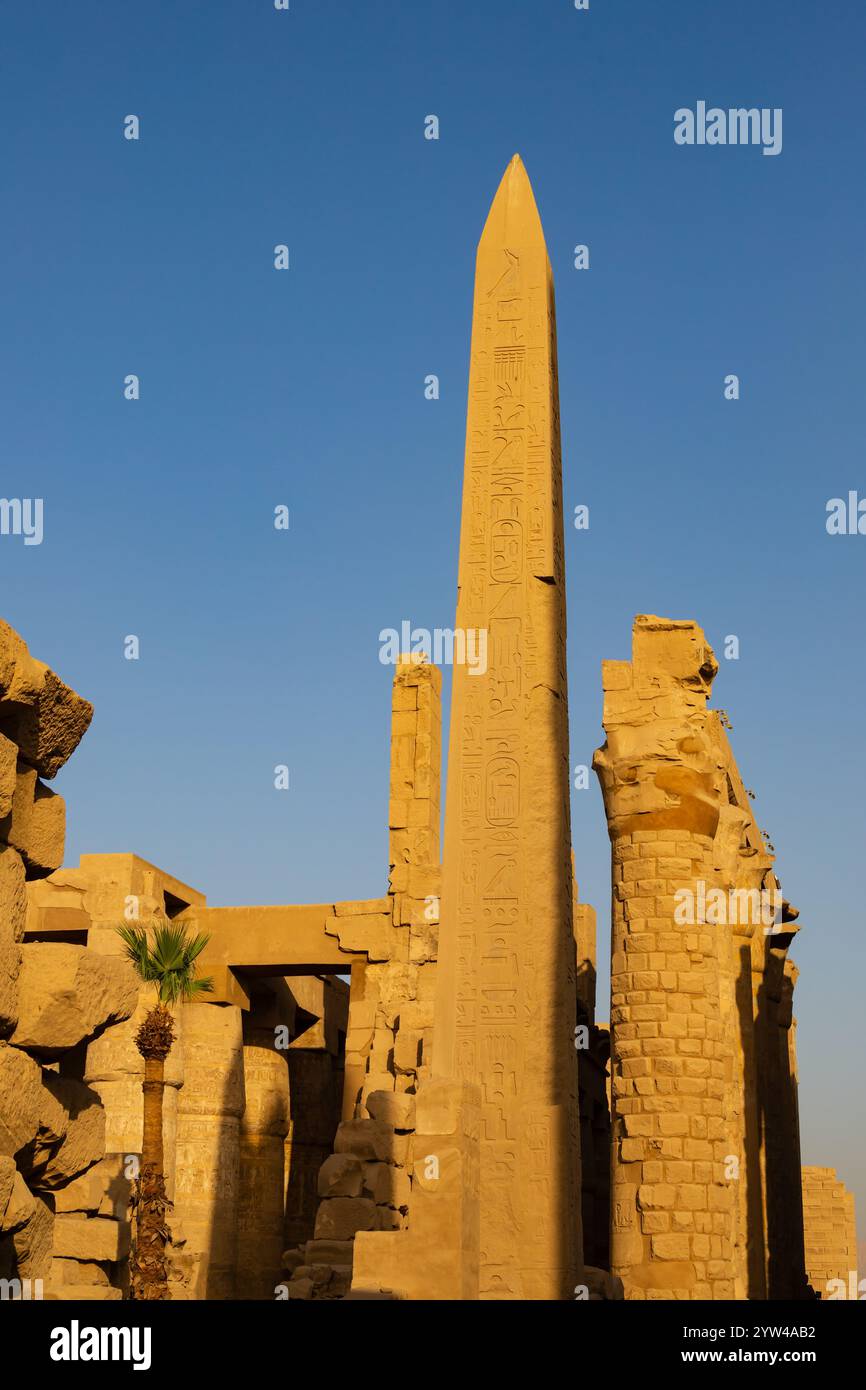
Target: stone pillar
(777, 1076)
(686, 1167)
(210, 1105)
(315, 1088)
(263, 1130)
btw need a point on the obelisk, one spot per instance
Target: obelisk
(505, 992)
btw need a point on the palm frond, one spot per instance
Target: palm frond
(167, 959)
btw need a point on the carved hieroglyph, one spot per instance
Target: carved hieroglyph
(505, 993)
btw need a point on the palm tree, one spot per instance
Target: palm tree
(166, 961)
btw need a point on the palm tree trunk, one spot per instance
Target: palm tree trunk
(148, 1264)
(153, 1087)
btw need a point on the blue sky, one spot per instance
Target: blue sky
(305, 388)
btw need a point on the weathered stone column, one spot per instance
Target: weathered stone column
(677, 1084)
(263, 1129)
(777, 1070)
(210, 1105)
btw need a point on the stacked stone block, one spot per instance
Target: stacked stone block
(831, 1235)
(60, 1236)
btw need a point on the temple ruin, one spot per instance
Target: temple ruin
(412, 1097)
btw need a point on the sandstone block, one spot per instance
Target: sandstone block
(40, 713)
(17, 1203)
(671, 1247)
(68, 993)
(13, 894)
(392, 1109)
(67, 1271)
(360, 1137)
(32, 1241)
(332, 1252)
(70, 1137)
(8, 774)
(8, 1174)
(300, 1288)
(389, 1186)
(103, 1188)
(10, 961)
(37, 827)
(406, 1050)
(371, 932)
(340, 1217)
(21, 1102)
(94, 1238)
(388, 1219)
(341, 1175)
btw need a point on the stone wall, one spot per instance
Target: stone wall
(831, 1235)
(61, 1196)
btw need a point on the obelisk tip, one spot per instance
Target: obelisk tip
(513, 213)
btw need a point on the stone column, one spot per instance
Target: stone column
(263, 1130)
(682, 1103)
(315, 1101)
(210, 1105)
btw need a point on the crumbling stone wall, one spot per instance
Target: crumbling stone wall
(831, 1235)
(366, 1185)
(703, 1076)
(59, 1193)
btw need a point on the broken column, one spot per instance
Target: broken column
(688, 1173)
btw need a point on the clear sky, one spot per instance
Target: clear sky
(306, 388)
